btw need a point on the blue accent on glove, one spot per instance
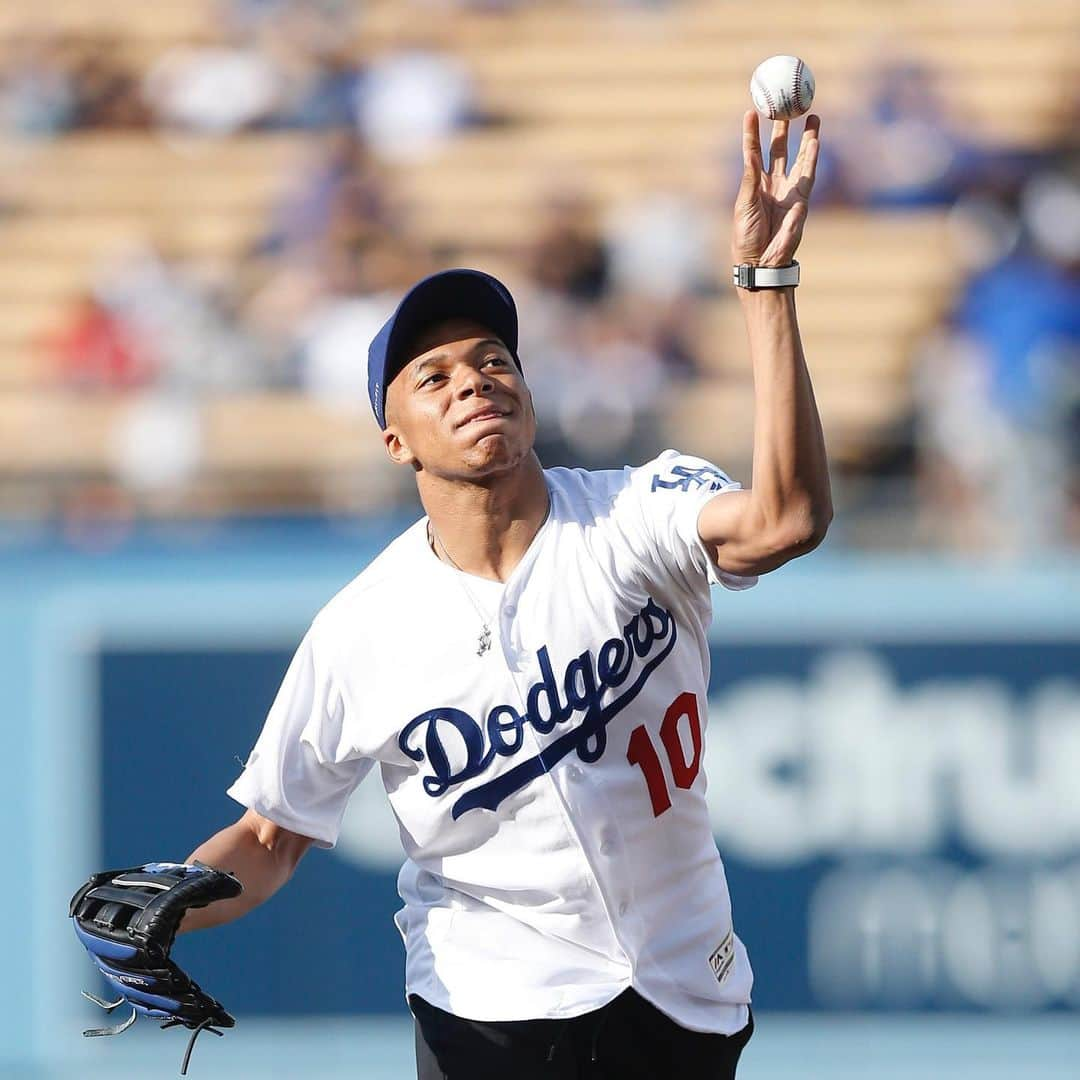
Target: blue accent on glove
(98, 946)
(150, 1002)
(137, 987)
(184, 868)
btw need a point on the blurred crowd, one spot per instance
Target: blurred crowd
(266, 66)
(610, 301)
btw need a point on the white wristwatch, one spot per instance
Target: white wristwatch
(746, 276)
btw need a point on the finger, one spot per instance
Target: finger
(751, 141)
(778, 149)
(805, 168)
(808, 172)
(751, 151)
(809, 135)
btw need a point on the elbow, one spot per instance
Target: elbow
(817, 526)
(803, 531)
(798, 531)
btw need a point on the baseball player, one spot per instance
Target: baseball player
(527, 666)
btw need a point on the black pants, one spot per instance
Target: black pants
(627, 1039)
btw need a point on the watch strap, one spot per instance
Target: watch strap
(746, 276)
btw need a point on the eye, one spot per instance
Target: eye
(431, 378)
(500, 360)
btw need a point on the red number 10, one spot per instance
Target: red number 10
(642, 752)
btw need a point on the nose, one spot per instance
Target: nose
(473, 381)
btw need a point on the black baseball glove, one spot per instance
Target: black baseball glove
(127, 919)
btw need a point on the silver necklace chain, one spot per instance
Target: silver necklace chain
(483, 642)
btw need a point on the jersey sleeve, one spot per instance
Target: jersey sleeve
(302, 769)
(668, 494)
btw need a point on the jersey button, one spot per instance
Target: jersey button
(510, 611)
(624, 907)
(608, 842)
(575, 772)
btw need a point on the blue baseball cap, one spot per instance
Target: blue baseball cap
(450, 294)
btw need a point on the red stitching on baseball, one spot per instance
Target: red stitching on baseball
(767, 96)
(797, 96)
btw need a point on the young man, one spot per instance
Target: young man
(528, 667)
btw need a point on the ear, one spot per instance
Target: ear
(396, 448)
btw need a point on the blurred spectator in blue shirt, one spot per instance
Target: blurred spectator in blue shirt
(342, 188)
(905, 152)
(315, 51)
(999, 388)
(1025, 310)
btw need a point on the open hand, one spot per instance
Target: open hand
(770, 208)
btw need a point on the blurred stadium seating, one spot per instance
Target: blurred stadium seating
(617, 101)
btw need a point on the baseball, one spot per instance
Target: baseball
(782, 87)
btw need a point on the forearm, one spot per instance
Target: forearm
(260, 854)
(790, 494)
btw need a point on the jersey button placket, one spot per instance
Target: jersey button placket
(574, 774)
(510, 638)
(509, 633)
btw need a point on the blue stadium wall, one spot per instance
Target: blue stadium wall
(893, 749)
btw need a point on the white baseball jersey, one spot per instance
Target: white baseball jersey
(549, 790)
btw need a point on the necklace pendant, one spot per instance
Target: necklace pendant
(484, 642)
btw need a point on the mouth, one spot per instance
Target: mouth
(488, 412)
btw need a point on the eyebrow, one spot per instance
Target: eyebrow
(429, 361)
(438, 358)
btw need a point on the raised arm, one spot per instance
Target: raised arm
(258, 852)
(788, 507)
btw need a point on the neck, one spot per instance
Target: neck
(485, 527)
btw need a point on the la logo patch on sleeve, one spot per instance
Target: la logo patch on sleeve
(683, 478)
(723, 958)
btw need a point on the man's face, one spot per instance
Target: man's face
(460, 407)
